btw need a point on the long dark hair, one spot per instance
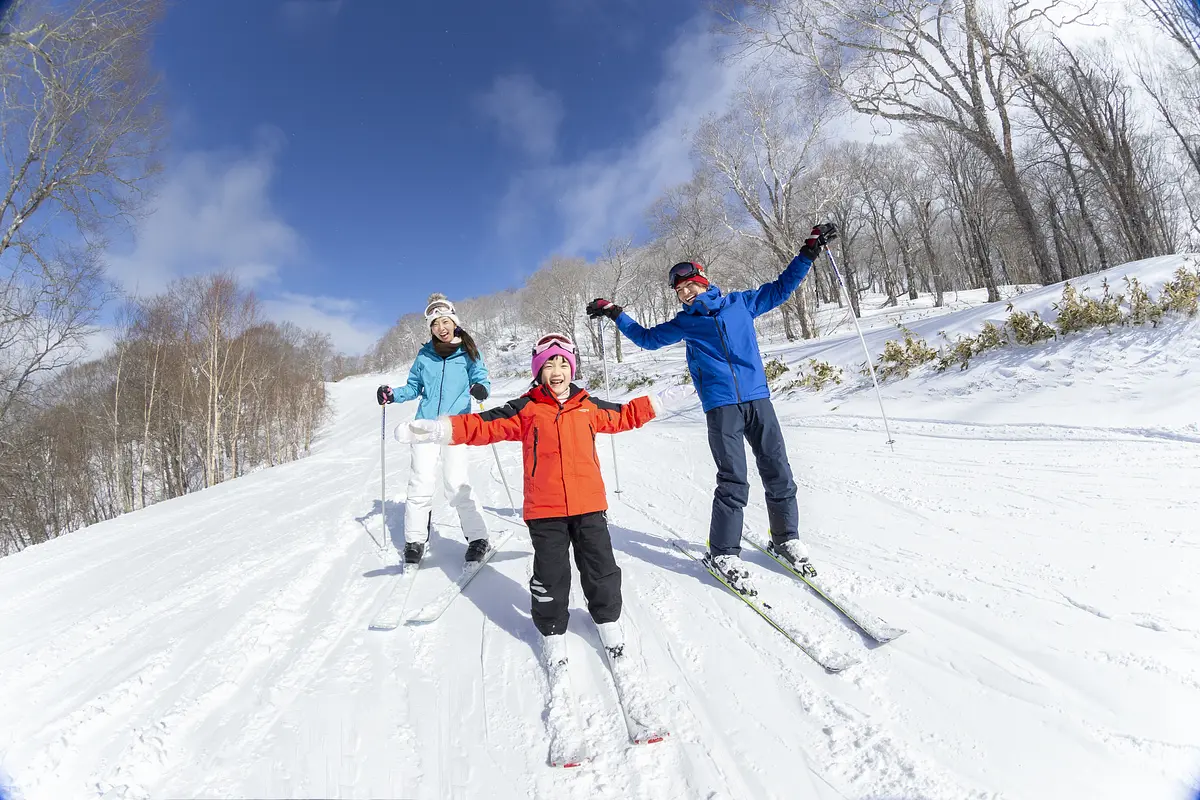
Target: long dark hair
(468, 344)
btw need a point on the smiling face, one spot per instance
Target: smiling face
(443, 329)
(556, 373)
(689, 291)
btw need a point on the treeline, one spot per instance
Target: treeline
(197, 389)
(1016, 158)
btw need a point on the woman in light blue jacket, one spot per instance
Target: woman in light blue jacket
(447, 373)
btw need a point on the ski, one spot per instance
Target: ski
(389, 616)
(869, 623)
(568, 747)
(641, 719)
(831, 661)
(434, 609)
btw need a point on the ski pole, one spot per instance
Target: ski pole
(608, 396)
(500, 469)
(870, 367)
(383, 477)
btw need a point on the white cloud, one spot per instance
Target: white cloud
(339, 317)
(526, 114)
(211, 214)
(607, 193)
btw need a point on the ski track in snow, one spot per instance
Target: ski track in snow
(217, 644)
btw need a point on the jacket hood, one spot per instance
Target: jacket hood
(707, 303)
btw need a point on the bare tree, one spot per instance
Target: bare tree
(1087, 102)
(78, 130)
(763, 150)
(917, 64)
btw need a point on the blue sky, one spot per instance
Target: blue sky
(347, 158)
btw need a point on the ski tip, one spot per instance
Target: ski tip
(655, 739)
(836, 665)
(579, 762)
(382, 626)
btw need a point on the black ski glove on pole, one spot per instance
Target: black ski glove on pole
(821, 235)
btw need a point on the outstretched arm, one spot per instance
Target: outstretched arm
(618, 417)
(662, 335)
(498, 425)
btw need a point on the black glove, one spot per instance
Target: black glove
(384, 395)
(603, 308)
(821, 235)
(478, 391)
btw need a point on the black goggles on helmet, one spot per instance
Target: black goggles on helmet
(685, 271)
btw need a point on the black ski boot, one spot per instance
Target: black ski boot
(413, 552)
(477, 549)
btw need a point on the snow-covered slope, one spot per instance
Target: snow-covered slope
(1034, 529)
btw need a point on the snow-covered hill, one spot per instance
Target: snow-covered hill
(1034, 529)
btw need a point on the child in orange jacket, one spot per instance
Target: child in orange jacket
(565, 501)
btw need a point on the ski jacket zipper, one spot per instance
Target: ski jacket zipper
(442, 385)
(720, 335)
(535, 444)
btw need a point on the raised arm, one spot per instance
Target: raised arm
(772, 295)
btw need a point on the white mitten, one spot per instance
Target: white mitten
(672, 400)
(402, 433)
(437, 430)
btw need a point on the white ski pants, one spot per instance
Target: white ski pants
(427, 457)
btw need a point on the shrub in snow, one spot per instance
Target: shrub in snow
(1141, 308)
(1078, 312)
(1028, 328)
(898, 359)
(774, 368)
(595, 382)
(818, 375)
(1182, 292)
(685, 379)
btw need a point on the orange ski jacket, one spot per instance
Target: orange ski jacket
(558, 442)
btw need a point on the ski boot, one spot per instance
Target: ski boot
(477, 549)
(613, 638)
(733, 570)
(413, 552)
(554, 650)
(795, 553)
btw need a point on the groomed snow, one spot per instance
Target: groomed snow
(1034, 529)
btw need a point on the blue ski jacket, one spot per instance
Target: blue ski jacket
(722, 347)
(442, 383)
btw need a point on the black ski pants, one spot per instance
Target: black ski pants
(754, 422)
(550, 586)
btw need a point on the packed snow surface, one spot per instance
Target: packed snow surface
(1035, 528)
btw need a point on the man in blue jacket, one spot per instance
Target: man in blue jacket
(727, 370)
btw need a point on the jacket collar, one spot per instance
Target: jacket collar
(541, 394)
(707, 304)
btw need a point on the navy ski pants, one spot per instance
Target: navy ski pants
(756, 423)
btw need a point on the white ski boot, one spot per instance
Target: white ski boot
(554, 650)
(613, 638)
(794, 552)
(734, 571)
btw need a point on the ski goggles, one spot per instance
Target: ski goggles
(685, 271)
(554, 340)
(439, 308)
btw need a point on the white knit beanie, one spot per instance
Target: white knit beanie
(437, 307)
